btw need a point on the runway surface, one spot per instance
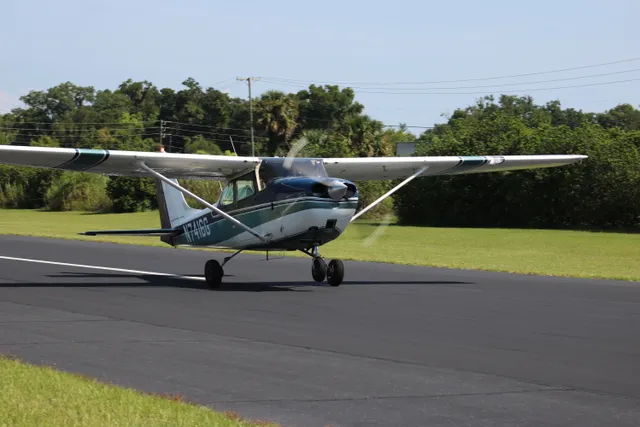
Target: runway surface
(392, 346)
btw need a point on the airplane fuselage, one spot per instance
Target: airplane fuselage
(292, 212)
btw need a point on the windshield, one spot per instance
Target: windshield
(284, 167)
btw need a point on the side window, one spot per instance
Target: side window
(245, 188)
(227, 195)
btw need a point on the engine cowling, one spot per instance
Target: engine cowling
(332, 188)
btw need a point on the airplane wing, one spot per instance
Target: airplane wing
(123, 163)
(382, 168)
(198, 166)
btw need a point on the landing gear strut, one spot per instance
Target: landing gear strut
(213, 271)
(334, 272)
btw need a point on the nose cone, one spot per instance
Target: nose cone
(336, 190)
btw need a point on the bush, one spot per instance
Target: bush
(601, 192)
(23, 187)
(368, 192)
(209, 190)
(131, 194)
(78, 191)
(11, 195)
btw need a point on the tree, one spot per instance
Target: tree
(623, 116)
(143, 98)
(326, 121)
(323, 107)
(601, 192)
(129, 194)
(276, 115)
(200, 145)
(56, 102)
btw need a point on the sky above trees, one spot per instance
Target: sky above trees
(292, 44)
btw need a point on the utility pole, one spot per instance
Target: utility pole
(163, 135)
(248, 80)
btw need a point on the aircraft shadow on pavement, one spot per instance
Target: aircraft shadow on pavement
(96, 280)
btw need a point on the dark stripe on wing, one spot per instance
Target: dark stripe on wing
(104, 159)
(71, 160)
(87, 159)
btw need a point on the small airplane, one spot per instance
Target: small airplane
(268, 203)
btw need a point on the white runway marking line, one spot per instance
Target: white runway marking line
(97, 267)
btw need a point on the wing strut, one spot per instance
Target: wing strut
(390, 192)
(204, 202)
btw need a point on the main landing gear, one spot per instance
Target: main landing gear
(213, 271)
(334, 272)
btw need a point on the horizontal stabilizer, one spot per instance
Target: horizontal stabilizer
(143, 232)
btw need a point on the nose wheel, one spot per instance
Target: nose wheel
(333, 273)
(318, 269)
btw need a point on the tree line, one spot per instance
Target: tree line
(603, 191)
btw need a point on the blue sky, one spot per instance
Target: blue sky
(102, 43)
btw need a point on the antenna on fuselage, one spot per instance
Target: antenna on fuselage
(232, 145)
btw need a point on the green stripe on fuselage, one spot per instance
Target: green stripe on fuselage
(208, 229)
(86, 159)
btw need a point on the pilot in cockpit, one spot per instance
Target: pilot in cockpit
(245, 192)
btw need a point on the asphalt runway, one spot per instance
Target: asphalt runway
(392, 346)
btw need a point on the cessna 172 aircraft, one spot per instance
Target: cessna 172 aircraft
(268, 203)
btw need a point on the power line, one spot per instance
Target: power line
(205, 126)
(52, 123)
(390, 92)
(93, 134)
(205, 132)
(500, 84)
(22, 135)
(384, 124)
(219, 83)
(77, 124)
(461, 80)
(69, 131)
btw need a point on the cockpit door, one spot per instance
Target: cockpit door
(240, 198)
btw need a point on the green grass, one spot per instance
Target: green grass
(546, 252)
(34, 396)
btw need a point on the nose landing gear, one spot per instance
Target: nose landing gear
(334, 272)
(318, 269)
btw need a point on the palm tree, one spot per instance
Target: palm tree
(277, 115)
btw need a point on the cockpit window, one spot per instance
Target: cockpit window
(245, 188)
(238, 189)
(227, 195)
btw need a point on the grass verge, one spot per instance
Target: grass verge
(545, 252)
(33, 396)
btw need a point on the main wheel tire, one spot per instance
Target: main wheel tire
(335, 272)
(318, 269)
(213, 274)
